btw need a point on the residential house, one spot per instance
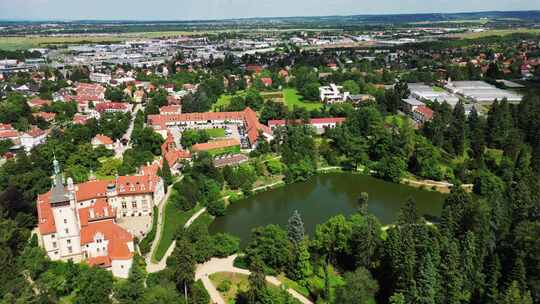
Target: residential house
(422, 114)
(103, 140)
(33, 138)
(112, 107)
(409, 104)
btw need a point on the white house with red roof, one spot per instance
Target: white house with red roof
(7, 132)
(46, 116)
(172, 109)
(80, 119)
(80, 222)
(90, 92)
(33, 138)
(112, 107)
(38, 102)
(103, 140)
(422, 114)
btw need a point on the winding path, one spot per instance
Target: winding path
(216, 265)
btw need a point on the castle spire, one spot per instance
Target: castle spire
(56, 165)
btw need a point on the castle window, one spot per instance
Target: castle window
(54, 244)
(70, 250)
(124, 205)
(69, 241)
(134, 204)
(65, 221)
(67, 231)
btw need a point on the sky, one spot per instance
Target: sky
(224, 9)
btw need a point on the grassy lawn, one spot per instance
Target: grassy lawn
(293, 99)
(398, 119)
(294, 285)
(238, 283)
(223, 101)
(226, 150)
(216, 133)
(174, 218)
(437, 89)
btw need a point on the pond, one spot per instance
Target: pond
(320, 198)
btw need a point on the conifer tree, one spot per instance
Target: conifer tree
(295, 228)
(427, 281)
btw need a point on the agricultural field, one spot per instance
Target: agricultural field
(26, 42)
(497, 33)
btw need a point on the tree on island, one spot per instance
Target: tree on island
(363, 203)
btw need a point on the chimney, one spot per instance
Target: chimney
(106, 211)
(92, 214)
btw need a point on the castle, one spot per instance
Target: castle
(79, 222)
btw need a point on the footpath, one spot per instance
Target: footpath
(216, 265)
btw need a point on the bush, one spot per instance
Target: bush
(181, 202)
(146, 243)
(225, 244)
(224, 286)
(216, 208)
(241, 262)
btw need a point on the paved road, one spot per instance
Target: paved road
(120, 149)
(216, 265)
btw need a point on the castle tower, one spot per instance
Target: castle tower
(63, 205)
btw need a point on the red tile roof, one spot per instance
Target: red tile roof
(100, 210)
(104, 106)
(100, 261)
(174, 156)
(80, 119)
(171, 109)
(91, 190)
(45, 115)
(267, 81)
(425, 111)
(103, 139)
(38, 102)
(216, 144)
(118, 238)
(46, 223)
(9, 134)
(248, 116)
(6, 127)
(35, 132)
